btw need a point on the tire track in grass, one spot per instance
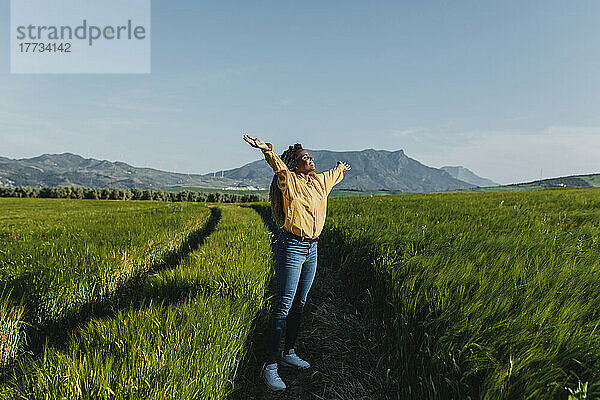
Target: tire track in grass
(56, 256)
(182, 335)
(340, 337)
(55, 333)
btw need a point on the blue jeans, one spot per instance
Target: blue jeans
(295, 267)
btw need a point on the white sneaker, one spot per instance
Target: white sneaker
(271, 377)
(292, 360)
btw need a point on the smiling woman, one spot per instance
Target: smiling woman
(299, 202)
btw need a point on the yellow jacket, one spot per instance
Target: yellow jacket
(304, 202)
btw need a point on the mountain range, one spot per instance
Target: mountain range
(465, 175)
(371, 170)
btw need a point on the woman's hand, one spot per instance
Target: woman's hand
(255, 142)
(345, 165)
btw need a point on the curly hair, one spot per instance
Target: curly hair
(275, 194)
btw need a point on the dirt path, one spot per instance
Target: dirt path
(340, 339)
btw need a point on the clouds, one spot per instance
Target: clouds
(520, 156)
(403, 133)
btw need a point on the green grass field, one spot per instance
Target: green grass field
(477, 295)
(487, 295)
(506, 188)
(58, 258)
(181, 336)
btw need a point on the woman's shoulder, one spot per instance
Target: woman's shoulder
(319, 176)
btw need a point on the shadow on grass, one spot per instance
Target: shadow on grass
(390, 345)
(340, 336)
(247, 373)
(56, 333)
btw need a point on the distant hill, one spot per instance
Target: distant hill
(573, 181)
(371, 170)
(468, 176)
(72, 170)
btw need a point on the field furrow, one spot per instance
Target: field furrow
(342, 340)
(61, 260)
(482, 295)
(181, 336)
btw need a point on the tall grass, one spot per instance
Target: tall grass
(57, 256)
(182, 336)
(485, 295)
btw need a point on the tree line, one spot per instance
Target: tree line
(126, 194)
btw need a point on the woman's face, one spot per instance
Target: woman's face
(304, 162)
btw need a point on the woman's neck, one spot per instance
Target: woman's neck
(304, 175)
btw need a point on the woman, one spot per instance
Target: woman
(298, 202)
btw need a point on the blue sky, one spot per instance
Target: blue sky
(508, 89)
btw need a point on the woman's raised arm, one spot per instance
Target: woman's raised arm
(255, 142)
(334, 175)
(279, 167)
